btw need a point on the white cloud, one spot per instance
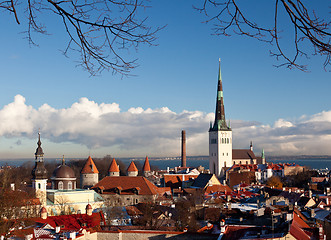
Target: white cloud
(157, 131)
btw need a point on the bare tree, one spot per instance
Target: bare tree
(62, 203)
(307, 27)
(99, 30)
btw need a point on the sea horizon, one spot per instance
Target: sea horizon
(311, 161)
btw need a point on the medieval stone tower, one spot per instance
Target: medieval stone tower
(89, 175)
(220, 136)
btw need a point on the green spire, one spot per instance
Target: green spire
(220, 122)
(263, 153)
(219, 70)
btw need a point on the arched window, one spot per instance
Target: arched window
(69, 185)
(228, 140)
(60, 185)
(222, 140)
(39, 186)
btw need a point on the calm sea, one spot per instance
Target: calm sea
(163, 163)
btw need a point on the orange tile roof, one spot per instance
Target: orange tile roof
(132, 167)
(127, 184)
(175, 180)
(89, 166)
(147, 167)
(113, 167)
(218, 188)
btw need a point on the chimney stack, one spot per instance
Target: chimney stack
(183, 148)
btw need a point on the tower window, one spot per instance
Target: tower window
(39, 186)
(69, 185)
(60, 185)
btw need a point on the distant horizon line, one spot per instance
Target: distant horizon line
(273, 157)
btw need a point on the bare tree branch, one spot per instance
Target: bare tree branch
(307, 28)
(101, 31)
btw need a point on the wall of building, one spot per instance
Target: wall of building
(143, 235)
(88, 180)
(125, 200)
(293, 170)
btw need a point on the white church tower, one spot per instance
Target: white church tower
(220, 136)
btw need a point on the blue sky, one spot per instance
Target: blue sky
(280, 110)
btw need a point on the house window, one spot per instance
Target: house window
(69, 185)
(60, 185)
(213, 141)
(227, 140)
(222, 140)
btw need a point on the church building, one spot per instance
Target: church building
(221, 154)
(63, 197)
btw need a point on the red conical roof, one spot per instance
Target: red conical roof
(132, 167)
(89, 166)
(113, 166)
(147, 167)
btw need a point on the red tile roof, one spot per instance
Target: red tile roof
(147, 167)
(298, 227)
(127, 185)
(218, 188)
(113, 167)
(132, 167)
(73, 221)
(89, 166)
(175, 180)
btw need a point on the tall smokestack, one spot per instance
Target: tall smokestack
(183, 148)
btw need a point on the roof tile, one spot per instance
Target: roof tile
(89, 166)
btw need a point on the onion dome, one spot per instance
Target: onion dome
(89, 166)
(63, 171)
(147, 167)
(88, 206)
(43, 210)
(39, 171)
(39, 151)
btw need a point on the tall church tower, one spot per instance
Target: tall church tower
(39, 174)
(220, 136)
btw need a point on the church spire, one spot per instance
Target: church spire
(39, 151)
(219, 123)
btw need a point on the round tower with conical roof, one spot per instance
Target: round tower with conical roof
(113, 170)
(132, 170)
(147, 168)
(89, 175)
(39, 174)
